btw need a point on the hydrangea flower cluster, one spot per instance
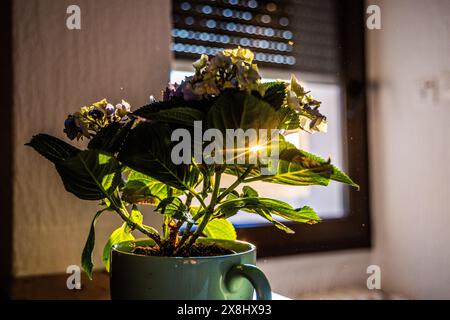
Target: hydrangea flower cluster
(229, 69)
(307, 108)
(91, 119)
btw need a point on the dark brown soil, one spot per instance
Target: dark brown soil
(197, 250)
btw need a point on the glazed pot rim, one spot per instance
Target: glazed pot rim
(116, 249)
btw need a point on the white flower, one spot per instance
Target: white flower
(125, 106)
(110, 109)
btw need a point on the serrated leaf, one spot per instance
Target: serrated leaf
(175, 208)
(110, 138)
(275, 93)
(90, 175)
(239, 110)
(266, 215)
(337, 175)
(248, 191)
(220, 229)
(119, 235)
(181, 115)
(277, 207)
(297, 167)
(86, 256)
(177, 102)
(136, 218)
(52, 148)
(143, 189)
(147, 149)
(291, 120)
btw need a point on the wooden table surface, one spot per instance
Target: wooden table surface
(53, 287)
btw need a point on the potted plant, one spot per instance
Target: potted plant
(172, 154)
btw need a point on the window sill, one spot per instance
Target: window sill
(53, 287)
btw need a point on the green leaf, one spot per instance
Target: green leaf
(240, 110)
(207, 172)
(90, 175)
(220, 229)
(305, 214)
(52, 148)
(143, 189)
(337, 175)
(280, 208)
(119, 235)
(291, 153)
(180, 115)
(253, 207)
(266, 215)
(150, 229)
(175, 208)
(148, 150)
(248, 191)
(86, 257)
(149, 111)
(110, 138)
(297, 167)
(275, 93)
(135, 217)
(291, 119)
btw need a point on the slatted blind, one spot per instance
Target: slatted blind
(298, 34)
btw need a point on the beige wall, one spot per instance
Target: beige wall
(410, 147)
(122, 51)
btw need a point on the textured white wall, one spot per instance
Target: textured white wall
(122, 51)
(410, 147)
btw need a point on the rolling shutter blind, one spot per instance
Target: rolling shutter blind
(295, 34)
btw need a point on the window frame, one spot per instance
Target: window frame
(353, 230)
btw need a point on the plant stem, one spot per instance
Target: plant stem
(188, 206)
(215, 193)
(233, 186)
(166, 219)
(178, 226)
(186, 232)
(198, 197)
(209, 210)
(188, 201)
(119, 207)
(123, 213)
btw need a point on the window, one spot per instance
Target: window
(322, 43)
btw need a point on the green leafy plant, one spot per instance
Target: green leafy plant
(128, 160)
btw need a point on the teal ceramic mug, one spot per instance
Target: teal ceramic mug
(229, 277)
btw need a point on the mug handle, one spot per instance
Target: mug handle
(252, 274)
